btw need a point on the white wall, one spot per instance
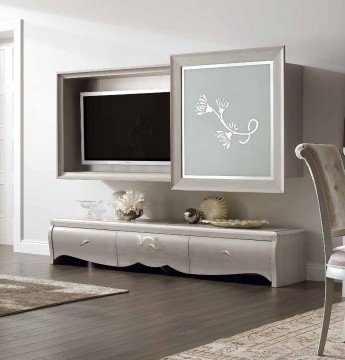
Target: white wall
(61, 35)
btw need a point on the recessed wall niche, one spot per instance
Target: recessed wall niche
(70, 85)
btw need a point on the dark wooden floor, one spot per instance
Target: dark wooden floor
(164, 313)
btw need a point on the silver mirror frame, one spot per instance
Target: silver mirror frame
(274, 184)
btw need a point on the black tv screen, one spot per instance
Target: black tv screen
(125, 127)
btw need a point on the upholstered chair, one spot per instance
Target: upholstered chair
(327, 170)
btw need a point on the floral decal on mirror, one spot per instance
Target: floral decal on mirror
(231, 129)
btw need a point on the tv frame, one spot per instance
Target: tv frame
(115, 162)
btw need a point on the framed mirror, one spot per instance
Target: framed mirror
(227, 120)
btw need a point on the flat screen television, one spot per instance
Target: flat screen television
(125, 127)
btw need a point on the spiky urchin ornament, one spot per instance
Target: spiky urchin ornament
(214, 208)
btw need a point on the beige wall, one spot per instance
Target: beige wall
(61, 35)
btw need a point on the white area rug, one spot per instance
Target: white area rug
(294, 338)
(19, 294)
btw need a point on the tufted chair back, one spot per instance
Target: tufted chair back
(327, 169)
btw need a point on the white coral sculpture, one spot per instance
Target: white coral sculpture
(129, 200)
(203, 107)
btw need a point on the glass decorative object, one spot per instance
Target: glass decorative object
(95, 208)
(89, 205)
(98, 210)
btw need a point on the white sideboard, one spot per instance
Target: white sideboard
(277, 254)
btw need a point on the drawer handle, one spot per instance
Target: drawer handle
(153, 246)
(142, 239)
(149, 241)
(84, 242)
(226, 252)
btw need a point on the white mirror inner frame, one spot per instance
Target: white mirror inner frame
(227, 120)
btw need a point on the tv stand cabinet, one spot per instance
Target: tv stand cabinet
(277, 254)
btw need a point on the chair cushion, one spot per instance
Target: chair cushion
(337, 259)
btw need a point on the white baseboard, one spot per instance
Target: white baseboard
(316, 272)
(33, 247)
(5, 243)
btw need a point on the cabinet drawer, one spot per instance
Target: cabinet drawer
(217, 256)
(92, 245)
(153, 250)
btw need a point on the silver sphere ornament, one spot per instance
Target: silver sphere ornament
(192, 216)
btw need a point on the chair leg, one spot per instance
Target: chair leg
(329, 290)
(343, 339)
